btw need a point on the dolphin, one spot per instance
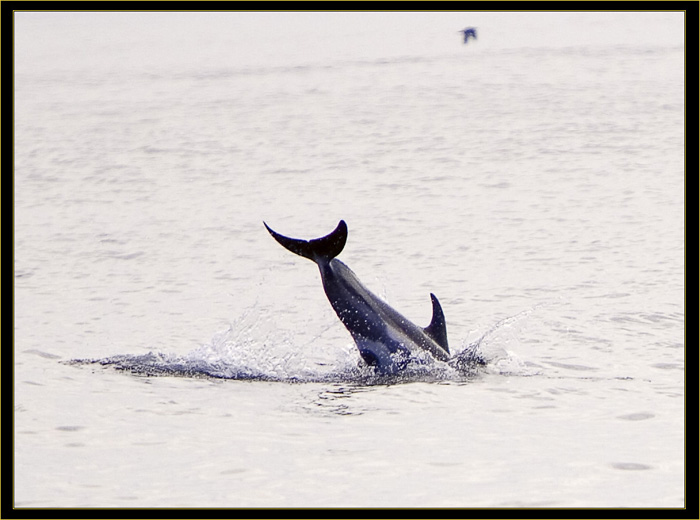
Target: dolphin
(386, 339)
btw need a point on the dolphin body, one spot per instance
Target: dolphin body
(386, 339)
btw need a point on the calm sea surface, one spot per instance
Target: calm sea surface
(532, 179)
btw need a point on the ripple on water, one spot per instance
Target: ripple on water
(630, 466)
(640, 416)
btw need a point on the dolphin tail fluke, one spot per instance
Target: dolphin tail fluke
(320, 249)
(437, 328)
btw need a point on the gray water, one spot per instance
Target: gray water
(532, 179)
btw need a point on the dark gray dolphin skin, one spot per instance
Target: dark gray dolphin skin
(385, 339)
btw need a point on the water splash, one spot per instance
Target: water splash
(489, 350)
(251, 349)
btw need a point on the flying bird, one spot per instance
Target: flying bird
(469, 32)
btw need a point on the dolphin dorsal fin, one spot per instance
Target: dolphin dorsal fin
(437, 328)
